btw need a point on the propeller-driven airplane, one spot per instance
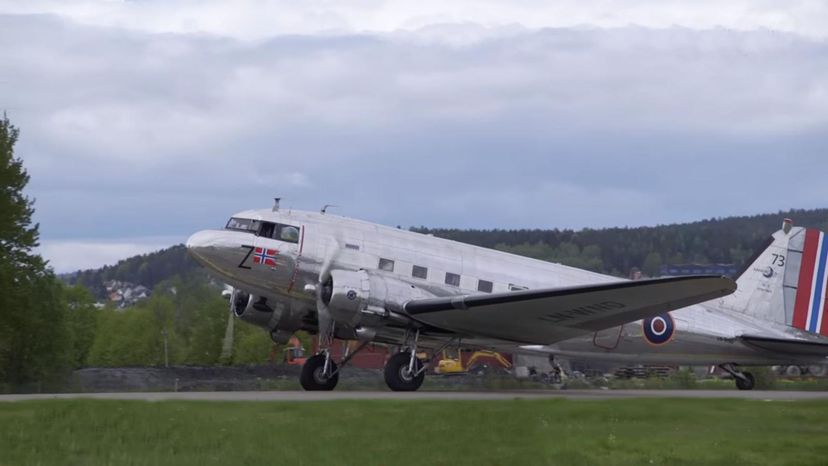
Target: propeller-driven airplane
(352, 280)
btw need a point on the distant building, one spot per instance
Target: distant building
(125, 294)
(728, 270)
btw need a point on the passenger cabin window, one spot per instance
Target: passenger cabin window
(419, 272)
(242, 224)
(513, 287)
(287, 233)
(485, 286)
(452, 279)
(386, 264)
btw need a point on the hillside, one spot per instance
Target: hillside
(147, 270)
(614, 251)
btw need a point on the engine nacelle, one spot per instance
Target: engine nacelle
(363, 298)
(257, 311)
(251, 308)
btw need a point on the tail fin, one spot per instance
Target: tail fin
(805, 282)
(786, 281)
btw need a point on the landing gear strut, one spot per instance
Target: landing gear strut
(320, 372)
(744, 380)
(403, 371)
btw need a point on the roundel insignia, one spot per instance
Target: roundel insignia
(659, 329)
(351, 295)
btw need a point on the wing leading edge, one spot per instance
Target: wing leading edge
(546, 316)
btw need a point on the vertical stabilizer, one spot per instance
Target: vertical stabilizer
(786, 282)
(760, 293)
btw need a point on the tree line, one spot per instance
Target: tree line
(615, 251)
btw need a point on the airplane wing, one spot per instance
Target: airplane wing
(546, 316)
(787, 346)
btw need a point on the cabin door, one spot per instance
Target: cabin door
(608, 339)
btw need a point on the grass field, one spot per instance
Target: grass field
(636, 432)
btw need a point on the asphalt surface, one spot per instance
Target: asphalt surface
(293, 396)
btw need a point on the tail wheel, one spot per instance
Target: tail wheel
(745, 383)
(313, 377)
(399, 378)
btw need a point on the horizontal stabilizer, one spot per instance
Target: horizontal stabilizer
(786, 346)
(546, 316)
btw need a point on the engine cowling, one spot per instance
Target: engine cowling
(257, 311)
(360, 298)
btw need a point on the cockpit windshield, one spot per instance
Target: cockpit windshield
(243, 224)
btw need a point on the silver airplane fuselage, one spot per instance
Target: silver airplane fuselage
(282, 269)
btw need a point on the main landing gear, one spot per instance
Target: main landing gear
(320, 372)
(744, 380)
(403, 371)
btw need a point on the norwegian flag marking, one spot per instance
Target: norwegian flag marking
(265, 256)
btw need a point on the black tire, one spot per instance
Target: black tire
(397, 376)
(746, 383)
(311, 377)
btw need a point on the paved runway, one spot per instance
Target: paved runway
(293, 396)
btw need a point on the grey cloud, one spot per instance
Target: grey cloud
(136, 134)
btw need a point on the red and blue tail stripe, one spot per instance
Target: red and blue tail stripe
(810, 306)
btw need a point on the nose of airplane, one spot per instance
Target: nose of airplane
(197, 240)
(198, 243)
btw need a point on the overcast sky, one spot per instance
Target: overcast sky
(144, 121)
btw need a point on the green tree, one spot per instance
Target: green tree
(252, 345)
(33, 336)
(81, 322)
(652, 264)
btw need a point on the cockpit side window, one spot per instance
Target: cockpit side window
(267, 229)
(242, 224)
(289, 233)
(279, 231)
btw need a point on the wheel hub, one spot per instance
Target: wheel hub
(319, 375)
(406, 374)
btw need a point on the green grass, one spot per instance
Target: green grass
(558, 431)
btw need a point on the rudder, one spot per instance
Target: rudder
(805, 281)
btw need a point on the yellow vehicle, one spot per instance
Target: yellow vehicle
(479, 363)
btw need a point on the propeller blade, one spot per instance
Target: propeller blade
(322, 313)
(327, 265)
